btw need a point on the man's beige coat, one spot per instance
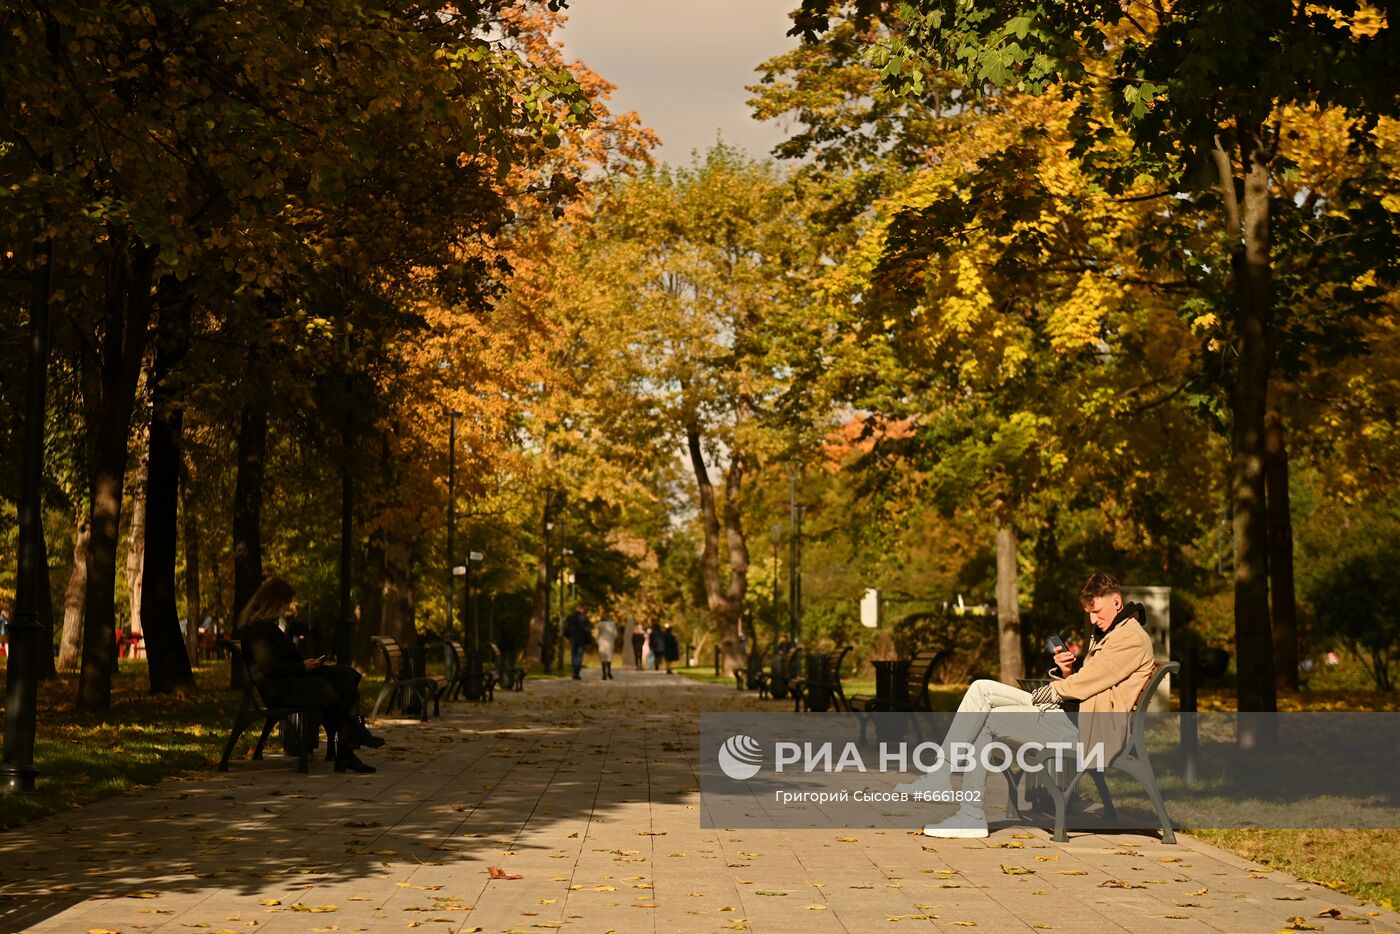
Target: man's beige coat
(1109, 681)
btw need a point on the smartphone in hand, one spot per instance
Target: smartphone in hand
(1055, 645)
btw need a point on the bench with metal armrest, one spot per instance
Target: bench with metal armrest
(459, 675)
(401, 684)
(254, 708)
(821, 690)
(1132, 759)
(509, 675)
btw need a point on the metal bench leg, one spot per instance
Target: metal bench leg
(238, 727)
(262, 740)
(379, 701)
(1142, 771)
(1109, 811)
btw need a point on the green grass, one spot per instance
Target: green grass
(1358, 862)
(140, 740)
(705, 674)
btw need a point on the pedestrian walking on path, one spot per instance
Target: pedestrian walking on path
(579, 633)
(607, 639)
(672, 649)
(656, 642)
(639, 641)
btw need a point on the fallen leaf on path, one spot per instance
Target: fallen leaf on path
(815, 907)
(498, 873)
(1119, 884)
(1070, 872)
(1296, 923)
(1017, 871)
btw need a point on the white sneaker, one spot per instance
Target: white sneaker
(967, 824)
(929, 783)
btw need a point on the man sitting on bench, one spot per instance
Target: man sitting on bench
(284, 678)
(1107, 680)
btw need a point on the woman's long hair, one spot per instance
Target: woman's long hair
(269, 602)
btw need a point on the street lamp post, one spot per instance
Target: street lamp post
(451, 511)
(775, 531)
(794, 558)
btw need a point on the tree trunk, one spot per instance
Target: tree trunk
(167, 659)
(1008, 607)
(730, 646)
(541, 634)
(723, 610)
(247, 516)
(136, 546)
(70, 646)
(1281, 591)
(247, 505)
(127, 315)
(194, 603)
(371, 619)
(44, 663)
(398, 591)
(1253, 636)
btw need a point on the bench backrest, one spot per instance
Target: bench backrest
(919, 674)
(456, 656)
(237, 656)
(395, 662)
(835, 673)
(1143, 702)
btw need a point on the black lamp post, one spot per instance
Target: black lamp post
(451, 510)
(22, 673)
(775, 531)
(794, 557)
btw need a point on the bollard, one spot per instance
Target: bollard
(716, 661)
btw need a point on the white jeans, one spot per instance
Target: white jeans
(990, 712)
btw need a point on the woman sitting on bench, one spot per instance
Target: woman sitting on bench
(283, 677)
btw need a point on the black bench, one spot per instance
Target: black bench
(748, 676)
(459, 674)
(401, 684)
(776, 682)
(907, 691)
(253, 708)
(821, 690)
(917, 674)
(1132, 758)
(509, 675)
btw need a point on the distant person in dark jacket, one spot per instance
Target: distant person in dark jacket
(672, 649)
(639, 639)
(284, 677)
(579, 632)
(656, 641)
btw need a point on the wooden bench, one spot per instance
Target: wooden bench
(747, 677)
(509, 675)
(825, 685)
(401, 684)
(916, 680)
(254, 708)
(458, 673)
(775, 682)
(1132, 758)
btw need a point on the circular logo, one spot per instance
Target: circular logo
(740, 757)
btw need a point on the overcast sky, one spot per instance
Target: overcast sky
(683, 64)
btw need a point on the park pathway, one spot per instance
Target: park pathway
(584, 796)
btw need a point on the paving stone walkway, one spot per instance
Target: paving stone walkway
(583, 798)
